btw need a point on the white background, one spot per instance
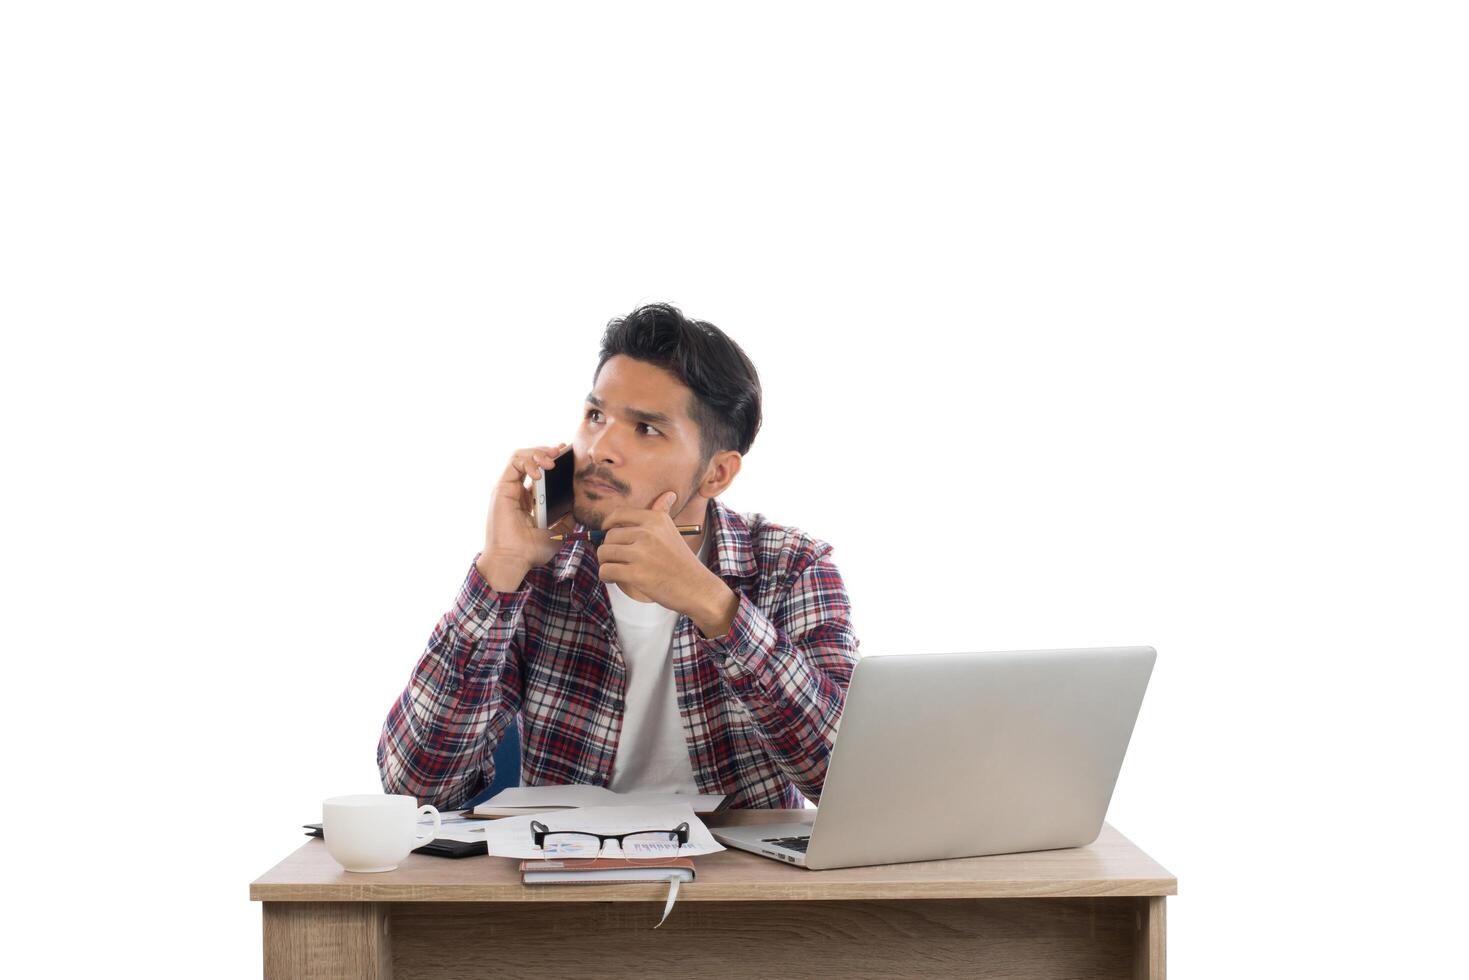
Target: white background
(1079, 324)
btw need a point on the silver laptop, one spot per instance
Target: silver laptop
(960, 754)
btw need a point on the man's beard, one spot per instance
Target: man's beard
(587, 518)
(591, 516)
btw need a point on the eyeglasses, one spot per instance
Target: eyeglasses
(580, 844)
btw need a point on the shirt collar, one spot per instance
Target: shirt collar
(734, 555)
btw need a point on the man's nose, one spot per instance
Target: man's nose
(605, 447)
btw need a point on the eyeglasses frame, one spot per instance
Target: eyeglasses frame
(539, 832)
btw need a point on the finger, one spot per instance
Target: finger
(664, 503)
(533, 463)
(545, 456)
(615, 572)
(514, 471)
(615, 553)
(522, 463)
(622, 535)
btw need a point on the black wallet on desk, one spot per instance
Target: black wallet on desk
(438, 848)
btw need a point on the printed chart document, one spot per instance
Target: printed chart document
(511, 837)
(526, 800)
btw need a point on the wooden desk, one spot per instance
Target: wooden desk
(1095, 911)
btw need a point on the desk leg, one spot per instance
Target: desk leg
(1152, 939)
(321, 940)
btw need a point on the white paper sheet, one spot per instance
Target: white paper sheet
(455, 828)
(578, 795)
(672, 897)
(510, 836)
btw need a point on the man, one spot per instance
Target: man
(709, 664)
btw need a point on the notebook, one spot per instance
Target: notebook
(590, 871)
(520, 801)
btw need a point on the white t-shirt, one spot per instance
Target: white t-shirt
(652, 753)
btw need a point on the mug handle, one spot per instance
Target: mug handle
(421, 839)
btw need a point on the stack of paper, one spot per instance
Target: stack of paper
(519, 801)
(511, 837)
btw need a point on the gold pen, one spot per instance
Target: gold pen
(595, 537)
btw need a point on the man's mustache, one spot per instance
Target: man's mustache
(593, 475)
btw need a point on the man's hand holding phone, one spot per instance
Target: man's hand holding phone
(513, 543)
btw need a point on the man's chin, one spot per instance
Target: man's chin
(589, 519)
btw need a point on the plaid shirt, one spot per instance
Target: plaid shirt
(759, 705)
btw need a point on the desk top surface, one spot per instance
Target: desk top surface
(1110, 866)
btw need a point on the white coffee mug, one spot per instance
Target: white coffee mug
(368, 832)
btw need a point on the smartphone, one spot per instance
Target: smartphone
(554, 496)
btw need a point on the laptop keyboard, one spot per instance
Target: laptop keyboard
(790, 843)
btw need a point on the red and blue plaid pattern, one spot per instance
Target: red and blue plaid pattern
(760, 704)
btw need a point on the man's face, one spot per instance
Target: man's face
(635, 442)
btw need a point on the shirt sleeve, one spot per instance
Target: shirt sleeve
(791, 669)
(439, 738)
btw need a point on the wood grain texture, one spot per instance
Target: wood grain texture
(1028, 939)
(1152, 942)
(1111, 866)
(326, 941)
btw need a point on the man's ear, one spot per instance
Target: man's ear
(720, 473)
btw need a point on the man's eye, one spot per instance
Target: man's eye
(594, 415)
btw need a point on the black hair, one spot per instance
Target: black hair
(726, 402)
